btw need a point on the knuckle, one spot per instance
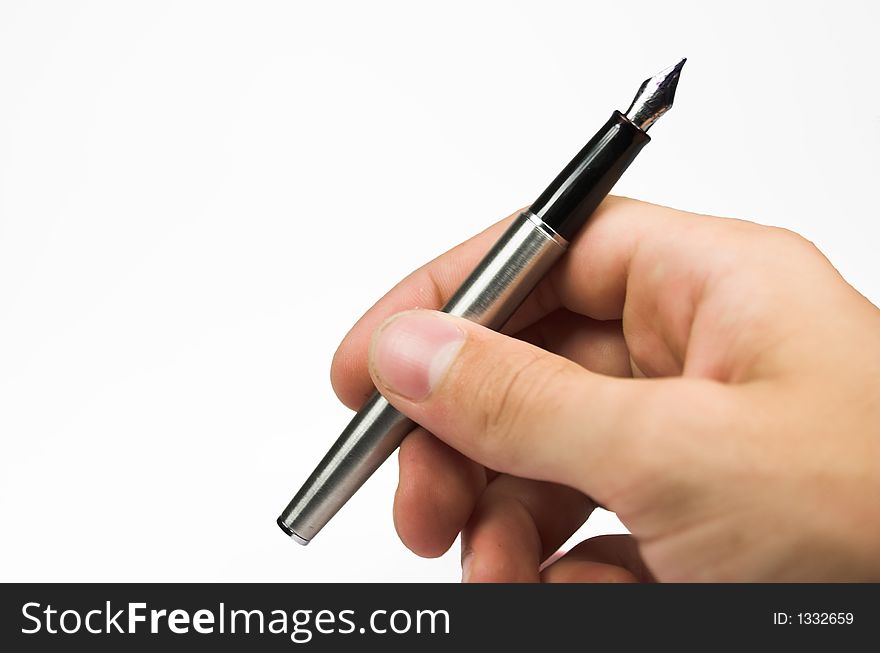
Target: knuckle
(507, 400)
(788, 236)
(791, 240)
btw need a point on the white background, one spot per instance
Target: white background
(198, 199)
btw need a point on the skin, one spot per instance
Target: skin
(714, 382)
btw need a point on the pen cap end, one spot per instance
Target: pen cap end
(296, 538)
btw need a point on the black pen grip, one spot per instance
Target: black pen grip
(576, 192)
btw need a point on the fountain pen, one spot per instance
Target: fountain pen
(511, 269)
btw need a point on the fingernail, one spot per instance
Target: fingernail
(413, 351)
(466, 560)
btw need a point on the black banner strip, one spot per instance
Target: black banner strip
(334, 617)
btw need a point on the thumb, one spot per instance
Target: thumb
(509, 405)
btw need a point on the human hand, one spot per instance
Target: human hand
(714, 382)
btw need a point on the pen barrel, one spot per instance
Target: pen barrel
(489, 296)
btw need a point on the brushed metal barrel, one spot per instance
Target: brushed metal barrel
(493, 291)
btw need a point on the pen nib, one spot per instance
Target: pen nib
(654, 97)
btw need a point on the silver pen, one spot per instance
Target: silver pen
(489, 296)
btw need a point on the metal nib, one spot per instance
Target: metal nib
(654, 97)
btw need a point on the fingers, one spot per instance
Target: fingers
(436, 493)
(591, 279)
(517, 524)
(603, 559)
(439, 488)
(512, 406)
